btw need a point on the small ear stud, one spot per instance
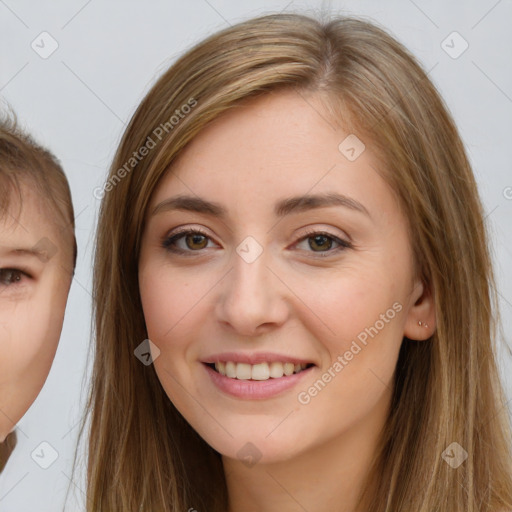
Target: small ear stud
(420, 323)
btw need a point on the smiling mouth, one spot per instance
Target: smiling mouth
(260, 371)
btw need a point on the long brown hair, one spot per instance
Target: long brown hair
(141, 451)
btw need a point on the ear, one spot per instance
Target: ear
(421, 309)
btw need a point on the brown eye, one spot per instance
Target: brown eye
(194, 241)
(323, 244)
(10, 276)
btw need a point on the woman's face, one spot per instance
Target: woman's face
(236, 270)
(35, 276)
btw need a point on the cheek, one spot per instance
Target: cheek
(176, 306)
(24, 343)
(361, 332)
(171, 303)
(361, 349)
(342, 306)
(31, 345)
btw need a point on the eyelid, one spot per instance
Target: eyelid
(186, 229)
(176, 233)
(20, 268)
(342, 244)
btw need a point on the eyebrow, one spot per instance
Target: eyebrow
(282, 208)
(23, 252)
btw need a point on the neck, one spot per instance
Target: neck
(329, 476)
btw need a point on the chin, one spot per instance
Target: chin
(251, 449)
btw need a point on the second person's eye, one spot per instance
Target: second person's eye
(11, 276)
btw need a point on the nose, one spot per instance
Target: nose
(252, 297)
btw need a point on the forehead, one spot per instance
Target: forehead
(275, 146)
(27, 219)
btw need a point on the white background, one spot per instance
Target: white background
(78, 100)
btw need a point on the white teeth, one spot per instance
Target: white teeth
(243, 371)
(276, 370)
(288, 368)
(231, 369)
(260, 371)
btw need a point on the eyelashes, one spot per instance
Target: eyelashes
(321, 236)
(197, 236)
(170, 243)
(12, 276)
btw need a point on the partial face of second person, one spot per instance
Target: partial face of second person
(35, 276)
(264, 285)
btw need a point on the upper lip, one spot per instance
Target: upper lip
(255, 358)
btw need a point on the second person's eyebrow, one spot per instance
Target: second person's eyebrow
(283, 207)
(20, 251)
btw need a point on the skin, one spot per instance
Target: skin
(33, 296)
(290, 300)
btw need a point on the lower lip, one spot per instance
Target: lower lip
(255, 389)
